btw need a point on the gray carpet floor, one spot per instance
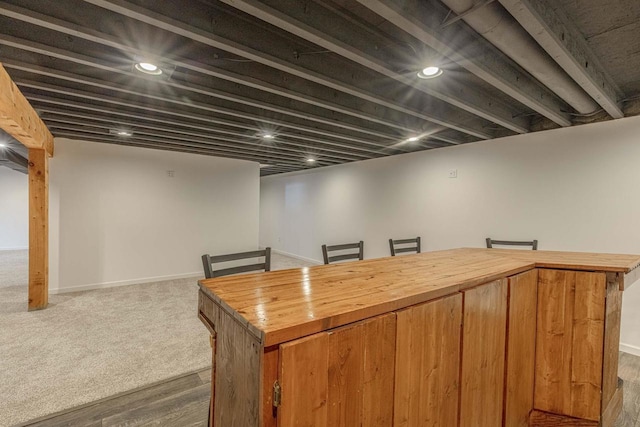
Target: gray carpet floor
(90, 345)
(14, 268)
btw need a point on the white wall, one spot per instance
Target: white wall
(14, 209)
(573, 189)
(117, 218)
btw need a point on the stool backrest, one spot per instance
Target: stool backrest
(415, 246)
(359, 254)
(532, 243)
(208, 262)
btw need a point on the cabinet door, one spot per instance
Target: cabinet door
(428, 364)
(521, 348)
(340, 378)
(570, 343)
(483, 355)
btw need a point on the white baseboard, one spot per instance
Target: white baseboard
(17, 248)
(278, 251)
(631, 349)
(124, 283)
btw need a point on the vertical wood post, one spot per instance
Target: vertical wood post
(38, 229)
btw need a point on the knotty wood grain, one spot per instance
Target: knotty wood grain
(346, 356)
(545, 419)
(212, 381)
(304, 365)
(19, 119)
(361, 373)
(483, 355)
(270, 368)
(613, 314)
(521, 346)
(379, 342)
(570, 343)
(38, 228)
(335, 295)
(285, 305)
(585, 261)
(428, 364)
(237, 373)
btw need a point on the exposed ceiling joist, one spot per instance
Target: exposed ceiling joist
(19, 119)
(175, 133)
(164, 144)
(66, 130)
(400, 124)
(197, 89)
(330, 79)
(187, 120)
(280, 124)
(277, 54)
(308, 21)
(282, 144)
(341, 102)
(461, 46)
(568, 48)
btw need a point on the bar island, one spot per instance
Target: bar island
(462, 337)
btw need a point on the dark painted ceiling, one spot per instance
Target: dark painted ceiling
(332, 80)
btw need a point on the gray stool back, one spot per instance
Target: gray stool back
(394, 250)
(208, 262)
(532, 243)
(343, 257)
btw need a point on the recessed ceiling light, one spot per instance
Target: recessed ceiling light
(311, 160)
(430, 72)
(148, 68)
(268, 136)
(3, 145)
(124, 133)
(413, 139)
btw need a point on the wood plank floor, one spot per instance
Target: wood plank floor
(629, 371)
(177, 402)
(183, 402)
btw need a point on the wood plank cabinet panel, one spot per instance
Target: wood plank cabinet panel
(570, 343)
(238, 356)
(379, 342)
(613, 314)
(304, 364)
(483, 355)
(521, 348)
(346, 376)
(270, 371)
(545, 419)
(442, 339)
(361, 373)
(428, 364)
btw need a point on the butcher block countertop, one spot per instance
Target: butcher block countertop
(280, 306)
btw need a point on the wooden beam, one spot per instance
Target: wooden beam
(38, 229)
(19, 119)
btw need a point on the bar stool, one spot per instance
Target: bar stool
(343, 257)
(208, 261)
(415, 241)
(491, 242)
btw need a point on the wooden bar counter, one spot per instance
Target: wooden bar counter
(464, 337)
